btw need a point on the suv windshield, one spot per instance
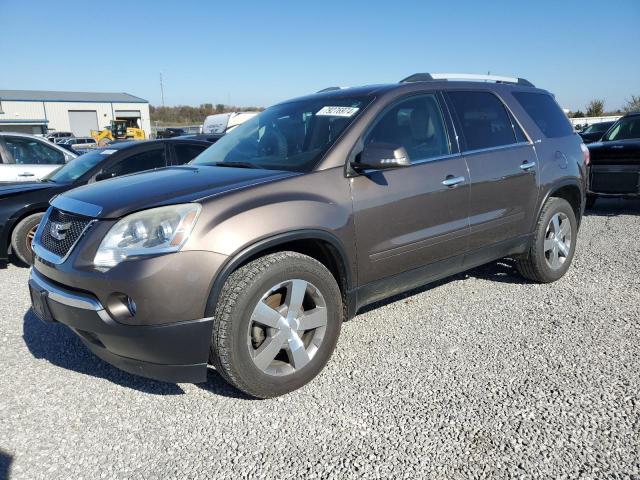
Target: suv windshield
(290, 136)
(75, 168)
(626, 128)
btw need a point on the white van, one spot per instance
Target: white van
(221, 123)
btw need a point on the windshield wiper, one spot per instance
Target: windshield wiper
(236, 164)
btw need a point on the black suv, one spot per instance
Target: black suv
(252, 256)
(614, 169)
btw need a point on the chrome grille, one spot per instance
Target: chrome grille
(62, 230)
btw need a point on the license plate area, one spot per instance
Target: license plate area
(40, 305)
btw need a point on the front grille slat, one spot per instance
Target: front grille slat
(72, 227)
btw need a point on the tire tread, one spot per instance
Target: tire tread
(235, 286)
(529, 265)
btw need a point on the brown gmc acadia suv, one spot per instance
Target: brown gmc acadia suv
(251, 257)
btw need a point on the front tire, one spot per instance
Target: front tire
(553, 245)
(276, 325)
(22, 236)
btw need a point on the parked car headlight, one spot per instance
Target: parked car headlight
(149, 232)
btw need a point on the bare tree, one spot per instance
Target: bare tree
(632, 105)
(595, 108)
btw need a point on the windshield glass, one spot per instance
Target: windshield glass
(76, 167)
(624, 129)
(291, 136)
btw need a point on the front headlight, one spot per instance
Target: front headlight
(149, 232)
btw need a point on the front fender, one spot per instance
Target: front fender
(240, 225)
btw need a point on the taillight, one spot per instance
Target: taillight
(585, 154)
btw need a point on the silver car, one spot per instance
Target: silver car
(26, 157)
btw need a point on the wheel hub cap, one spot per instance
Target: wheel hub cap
(557, 241)
(287, 327)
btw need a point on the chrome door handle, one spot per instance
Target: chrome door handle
(527, 165)
(452, 181)
(26, 174)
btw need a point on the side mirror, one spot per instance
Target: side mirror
(380, 156)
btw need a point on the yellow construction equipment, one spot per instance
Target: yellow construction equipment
(118, 130)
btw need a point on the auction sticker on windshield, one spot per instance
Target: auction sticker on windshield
(337, 111)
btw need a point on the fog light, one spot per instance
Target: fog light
(131, 305)
(121, 306)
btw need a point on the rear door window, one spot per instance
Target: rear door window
(545, 113)
(483, 118)
(139, 162)
(186, 152)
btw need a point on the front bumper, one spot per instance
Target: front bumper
(176, 352)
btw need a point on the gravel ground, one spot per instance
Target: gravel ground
(480, 375)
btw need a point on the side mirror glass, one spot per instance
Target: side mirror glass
(379, 156)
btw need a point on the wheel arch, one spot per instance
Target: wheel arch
(569, 191)
(318, 244)
(13, 222)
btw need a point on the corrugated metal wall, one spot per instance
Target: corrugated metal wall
(57, 113)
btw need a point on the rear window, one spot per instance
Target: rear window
(546, 113)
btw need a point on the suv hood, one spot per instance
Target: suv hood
(615, 152)
(120, 196)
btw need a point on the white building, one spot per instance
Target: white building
(34, 111)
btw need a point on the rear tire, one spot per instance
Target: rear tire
(22, 236)
(277, 322)
(553, 245)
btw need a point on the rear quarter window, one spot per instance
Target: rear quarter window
(545, 113)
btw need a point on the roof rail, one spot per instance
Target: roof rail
(426, 77)
(329, 89)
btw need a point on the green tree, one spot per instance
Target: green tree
(595, 108)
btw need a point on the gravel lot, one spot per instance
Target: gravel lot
(480, 375)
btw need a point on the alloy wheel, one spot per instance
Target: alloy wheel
(287, 327)
(557, 240)
(31, 234)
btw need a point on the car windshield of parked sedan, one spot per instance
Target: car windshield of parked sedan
(291, 136)
(624, 129)
(76, 167)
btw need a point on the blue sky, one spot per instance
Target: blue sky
(258, 53)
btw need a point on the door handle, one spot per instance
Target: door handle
(452, 181)
(26, 174)
(527, 165)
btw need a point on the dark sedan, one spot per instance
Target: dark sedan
(595, 131)
(614, 169)
(23, 204)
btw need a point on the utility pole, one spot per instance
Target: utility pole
(161, 89)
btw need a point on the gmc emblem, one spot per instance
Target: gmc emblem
(59, 230)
